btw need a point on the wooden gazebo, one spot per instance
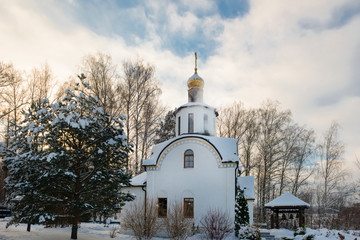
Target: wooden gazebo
(287, 203)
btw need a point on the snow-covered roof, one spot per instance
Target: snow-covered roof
(155, 152)
(225, 147)
(139, 180)
(287, 200)
(193, 104)
(246, 184)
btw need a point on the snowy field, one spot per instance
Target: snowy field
(321, 234)
(92, 231)
(87, 231)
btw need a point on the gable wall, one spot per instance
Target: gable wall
(210, 183)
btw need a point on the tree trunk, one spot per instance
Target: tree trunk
(28, 227)
(74, 228)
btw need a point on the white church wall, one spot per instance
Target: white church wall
(210, 186)
(139, 195)
(251, 211)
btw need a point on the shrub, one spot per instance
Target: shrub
(144, 225)
(177, 226)
(216, 224)
(309, 237)
(249, 233)
(113, 231)
(300, 231)
(242, 217)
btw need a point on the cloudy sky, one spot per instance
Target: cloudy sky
(305, 54)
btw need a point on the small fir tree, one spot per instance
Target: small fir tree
(241, 211)
(66, 162)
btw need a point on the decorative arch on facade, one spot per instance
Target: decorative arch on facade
(195, 140)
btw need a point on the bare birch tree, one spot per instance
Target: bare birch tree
(248, 141)
(14, 97)
(4, 73)
(291, 135)
(330, 165)
(102, 75)
(272, 123)
(302, 167)
(231, 122)
(140, 92)
(237, 122)
(40, 83)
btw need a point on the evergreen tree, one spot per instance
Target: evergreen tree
(241, 211)
(23, 159)
(166, 128)
(66, 162)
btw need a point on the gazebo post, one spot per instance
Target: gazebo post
(272, 219)
(301, 220)
(277, 218)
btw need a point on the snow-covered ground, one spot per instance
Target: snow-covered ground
(320, 234)
(93, 231)
(88, 231)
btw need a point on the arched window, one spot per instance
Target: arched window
(189, 159)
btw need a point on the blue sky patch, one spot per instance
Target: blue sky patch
(339, 17)
(233, 8)
(131, 19)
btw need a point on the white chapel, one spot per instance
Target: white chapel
(195, 168)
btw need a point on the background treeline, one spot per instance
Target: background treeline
(284, 156)
(287, 157)
(130, 90)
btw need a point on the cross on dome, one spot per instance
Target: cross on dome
(195, 63)
(195, 86)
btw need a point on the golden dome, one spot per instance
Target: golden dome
(195, 81)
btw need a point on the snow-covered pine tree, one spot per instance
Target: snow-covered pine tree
(241, 211)
(79, 161)
(23, 159)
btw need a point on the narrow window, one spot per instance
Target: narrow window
(206, 130)
(191, 123)
(162, 207)
(189, 207)
(188, 159)
(179, 125)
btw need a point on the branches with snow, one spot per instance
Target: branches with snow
(66, 161)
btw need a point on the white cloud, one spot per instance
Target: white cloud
(268, 55)
(264, 54)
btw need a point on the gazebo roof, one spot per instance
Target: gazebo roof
(287, 200)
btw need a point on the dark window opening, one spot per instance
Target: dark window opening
(189, 207)
(162, 207)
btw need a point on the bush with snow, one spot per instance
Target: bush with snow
(300, 231)
(249, 233)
